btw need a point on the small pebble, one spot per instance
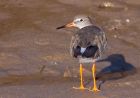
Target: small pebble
(55, 63)
(127, 20)
(127, 83)
(106, 5)
(115, 36)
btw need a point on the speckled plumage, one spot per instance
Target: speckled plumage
(89, 36)
(87, 44)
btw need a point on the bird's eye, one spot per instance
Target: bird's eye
(81, 19)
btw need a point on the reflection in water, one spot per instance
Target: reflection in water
(118, 68)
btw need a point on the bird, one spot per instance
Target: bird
(87, 45)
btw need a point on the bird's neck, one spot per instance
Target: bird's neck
(85, 25)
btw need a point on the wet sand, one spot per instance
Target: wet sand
(34, 56)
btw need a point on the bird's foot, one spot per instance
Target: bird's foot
(95, 90)
(80, 88)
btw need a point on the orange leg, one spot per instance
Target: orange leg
(81, 79)
(95, 89)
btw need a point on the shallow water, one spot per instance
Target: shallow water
(29, 40)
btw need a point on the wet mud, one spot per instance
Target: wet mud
(34, 56)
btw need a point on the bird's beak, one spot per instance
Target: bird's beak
(72, 24)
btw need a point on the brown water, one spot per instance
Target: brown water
(30, 43)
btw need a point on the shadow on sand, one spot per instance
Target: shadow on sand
(117, 69)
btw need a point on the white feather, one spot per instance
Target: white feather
(82, 50)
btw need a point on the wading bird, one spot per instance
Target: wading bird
(87, 44)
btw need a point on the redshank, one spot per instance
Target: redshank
(87, 45)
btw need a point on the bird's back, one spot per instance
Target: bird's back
(87, 37)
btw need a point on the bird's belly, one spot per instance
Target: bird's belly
(87, 60)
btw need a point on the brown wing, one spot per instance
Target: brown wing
(101, 42)
(92, 35)
(73, 44)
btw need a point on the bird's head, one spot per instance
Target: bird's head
(79, 22)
